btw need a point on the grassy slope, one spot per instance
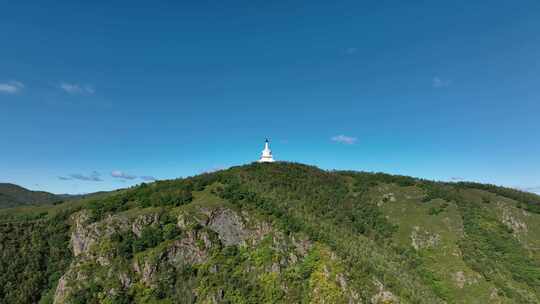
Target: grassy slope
(442, 259)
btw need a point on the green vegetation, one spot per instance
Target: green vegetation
(528, 201)
(277, 233)
(491, 249)
(13, 195)
(33, 256)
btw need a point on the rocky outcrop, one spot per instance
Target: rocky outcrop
(146, 269)
(513, 222)
(85, 237)
(461, 279)
(200, 230)
(61, 290)
(421, 238)
(86, 234)
(66, 282)
(143, 221)
(81, 237)
(190, 250)
(387, 197)
(187, 250)
(302, 245)
(231, 227)
(89, 241)
(125, 280)
(228, 225)
(383, 296)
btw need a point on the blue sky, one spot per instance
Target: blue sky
(96, 94)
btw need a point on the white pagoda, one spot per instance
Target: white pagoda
(266, 156)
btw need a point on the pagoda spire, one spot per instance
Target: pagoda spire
(266, 155)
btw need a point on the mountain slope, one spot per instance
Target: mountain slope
(12, 195)
(278, 233)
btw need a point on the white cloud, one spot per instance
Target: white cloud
(11, 87)
(73, 88)
(343, 139)
(122, 175)
(147, 178)
(440, 83)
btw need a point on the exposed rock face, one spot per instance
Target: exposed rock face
(190, 250)
(352, 296)
(462, 279)
(81, 238)
(513, 222)
(85, 235)
(231, 227)
(494, 296)
(383, 296)
(202, 230)
(144, 221)
(421, 238)
(387, 197)
(147, 271)
(64, 289)
(89, 240)
(187, 250)
(61, 290)
(183, 221)
(302, 245)
(125, 279)
(228, 225)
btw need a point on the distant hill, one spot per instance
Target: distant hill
(12, 195)
(277, 233)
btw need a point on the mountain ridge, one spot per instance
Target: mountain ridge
(279, 233)
(12, 195)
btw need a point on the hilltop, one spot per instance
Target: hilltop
(277, 233)
(12, 195)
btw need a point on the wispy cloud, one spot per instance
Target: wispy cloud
(440, 83)
(531, 189)
(343, 139)
(122, 175)
(351, 50)
(74, 88)
(92, 177)
(96, 176)
(11, 87)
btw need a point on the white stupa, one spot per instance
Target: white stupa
(266, 156)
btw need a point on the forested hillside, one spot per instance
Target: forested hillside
(277, 233)
(12, 195)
